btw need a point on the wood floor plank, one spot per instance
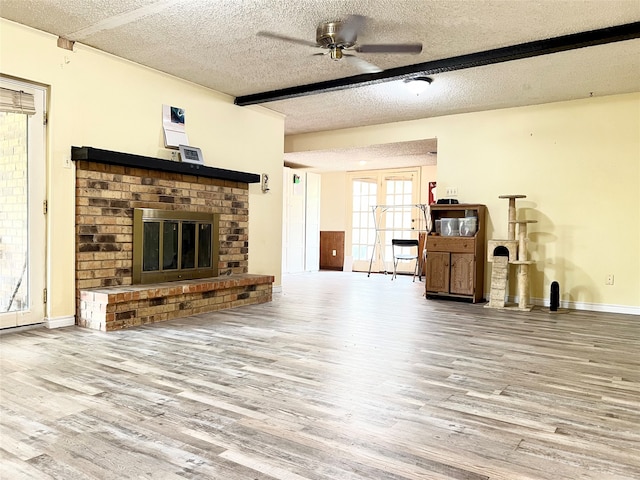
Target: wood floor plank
(16, 469)
(342, 376)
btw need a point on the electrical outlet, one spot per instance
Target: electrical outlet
(334, 252)
(67, 161)
(609, 280)
(451, 191)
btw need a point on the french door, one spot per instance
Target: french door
(382, 208)
(22, 195)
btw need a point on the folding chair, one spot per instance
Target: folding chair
(402, 244)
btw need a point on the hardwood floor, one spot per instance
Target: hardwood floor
(340, 377)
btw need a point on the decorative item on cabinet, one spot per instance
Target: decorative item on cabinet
(455, 264)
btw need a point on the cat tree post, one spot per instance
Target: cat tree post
(523, 265)
(512, 213)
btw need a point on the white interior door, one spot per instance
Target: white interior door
(22, 219)
(301, 221)
(312, 223)
(295, 209)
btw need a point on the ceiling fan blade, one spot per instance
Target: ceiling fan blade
(285, 38)
(351, 26)
(362, 65)
(390, 48)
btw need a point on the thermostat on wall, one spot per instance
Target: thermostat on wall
(191, 154)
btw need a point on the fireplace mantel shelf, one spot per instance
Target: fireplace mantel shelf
(138, 161)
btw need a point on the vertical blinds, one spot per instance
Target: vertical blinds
(15, 101)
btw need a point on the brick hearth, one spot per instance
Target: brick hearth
(106, 195)
(114, 308)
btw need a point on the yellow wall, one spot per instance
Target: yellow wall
(333, 201)
(578, 162)
(102, 101)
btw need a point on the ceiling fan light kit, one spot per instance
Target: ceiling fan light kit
(418, 84)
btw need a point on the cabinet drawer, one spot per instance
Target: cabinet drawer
(450, 244)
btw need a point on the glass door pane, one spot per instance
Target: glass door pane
(188, 245)
(14, 214)
(22, 221)
(169, 245)
(204, 245)
(363, 234)
(151, 247)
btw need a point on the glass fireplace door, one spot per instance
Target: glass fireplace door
(174, 245)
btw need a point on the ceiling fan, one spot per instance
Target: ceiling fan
(340, 35)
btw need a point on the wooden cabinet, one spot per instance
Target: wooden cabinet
(455, 265)
(462, 265)
(438, 267)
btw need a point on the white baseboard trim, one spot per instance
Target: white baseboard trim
(59, 322)
(276, 289)
(22, 328)
(591, 307)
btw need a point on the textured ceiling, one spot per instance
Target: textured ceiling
(373, 157)
(214, 43)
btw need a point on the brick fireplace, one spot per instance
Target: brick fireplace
(109, 186)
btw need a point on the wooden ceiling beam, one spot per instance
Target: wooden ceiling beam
(536, 48)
